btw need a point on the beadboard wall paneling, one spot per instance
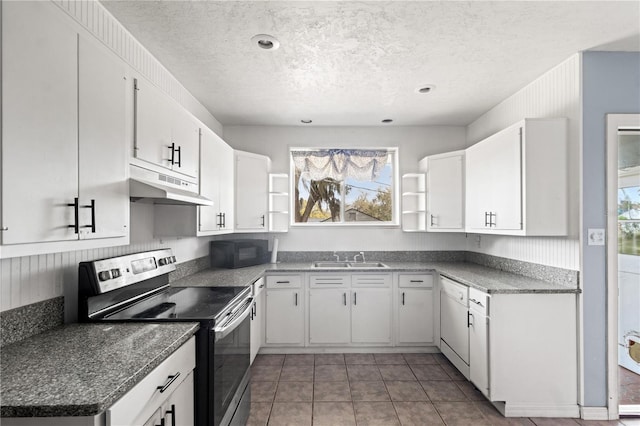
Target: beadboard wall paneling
(554, 94)
(91, 15)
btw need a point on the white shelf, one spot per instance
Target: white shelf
(278, 202)
(414, 204)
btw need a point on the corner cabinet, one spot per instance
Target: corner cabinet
(278, 202)
(516, 180)
(251, 184)
(413, 202)
(64, 145)
(445, 191)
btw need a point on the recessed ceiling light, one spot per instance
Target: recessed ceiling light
(266, 41)
(306, 121)
(427, 88)
(387, 120)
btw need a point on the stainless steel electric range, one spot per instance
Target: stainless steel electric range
(136, 288)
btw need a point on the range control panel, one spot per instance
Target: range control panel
(117, 272)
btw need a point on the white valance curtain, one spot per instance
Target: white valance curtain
(339, 164)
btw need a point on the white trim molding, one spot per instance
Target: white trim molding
(594, 413)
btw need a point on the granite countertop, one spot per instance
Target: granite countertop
(82, 369)
(487, 279)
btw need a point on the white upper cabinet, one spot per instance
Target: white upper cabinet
(166, 135)
(252, 197)
(216, 183)
(63, 135)
(445, 191)
(516, 180)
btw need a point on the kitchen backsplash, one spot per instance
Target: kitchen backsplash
(20, 323)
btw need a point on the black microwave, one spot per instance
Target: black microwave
(238, 253)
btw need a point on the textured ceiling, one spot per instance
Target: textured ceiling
(356, 63)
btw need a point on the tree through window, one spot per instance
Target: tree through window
(344, 185)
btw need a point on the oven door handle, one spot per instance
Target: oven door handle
(229, 324)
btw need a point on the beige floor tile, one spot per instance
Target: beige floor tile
(601, 422)
(496, 419)
(333, 414)
(417, 414)
(330, 373)
(359, 359)
(294, 392)
(429, 372)
(369, 391)
(461, 414)
(453, 372)
(440, 358)
(291, 414)
(363, 372)
(443, 391)
(420, 358)
(323, 359)
(470, 391)
(375, 413)
(405, 391)
(396, 372)
(628, 421)
(331, 391)
(259, 414)
(265, 373)
(297, 373)
(263, 391)
(299, 359)
(389, 359)
(552, 421)
(269, 359)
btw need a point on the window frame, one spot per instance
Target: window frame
(395, 184)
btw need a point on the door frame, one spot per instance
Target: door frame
(614, 122)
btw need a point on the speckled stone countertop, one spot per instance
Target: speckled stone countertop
(481, 277)
(82, 369)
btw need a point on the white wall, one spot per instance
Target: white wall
(413, 142)
(554, 94)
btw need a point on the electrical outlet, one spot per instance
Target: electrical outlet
(595, 236)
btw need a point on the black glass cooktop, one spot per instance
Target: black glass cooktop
(186, 303)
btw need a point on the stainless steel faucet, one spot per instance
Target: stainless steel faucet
(337, 256)
(361, 254)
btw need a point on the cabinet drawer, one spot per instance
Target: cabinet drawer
(328, 280)
(137, 405)
(424, 280)
(478, 301)
(371, 280)
(284, 281)
(257, 287)
(455, 290)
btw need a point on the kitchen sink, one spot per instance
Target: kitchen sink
(340, 265)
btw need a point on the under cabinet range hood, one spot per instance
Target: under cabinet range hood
(163, 188)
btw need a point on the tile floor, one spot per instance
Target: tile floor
(375, 389)
(629, 383)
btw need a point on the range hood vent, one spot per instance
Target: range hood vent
(161, 188)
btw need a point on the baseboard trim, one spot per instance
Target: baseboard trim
(347, 349)
(541, 410)
(594, 413)
(629, 410)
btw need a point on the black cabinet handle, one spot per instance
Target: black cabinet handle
(76, 213)
(173, 414)
(296, 299)
(161, 422)
(169, 382)
(92, 206)
(282, 282)
(263, 220)
(355, 298)
(469, 316)
(431, 219)
(403, 297)
(344, 298)
(224, 220)
(172, 147)
(179, 151)
(416, 281)
(486, 220)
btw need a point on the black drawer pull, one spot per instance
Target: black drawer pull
(416, 281)
(282, 282)
(169, 382)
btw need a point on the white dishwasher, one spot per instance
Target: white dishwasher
(454, 323)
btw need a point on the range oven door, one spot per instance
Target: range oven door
(231, 360)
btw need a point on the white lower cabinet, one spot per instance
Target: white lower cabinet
(257, 317)
(414, 310)
(479, 340)
(284, 310)
(371, 315)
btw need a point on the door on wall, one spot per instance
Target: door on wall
(624, 178)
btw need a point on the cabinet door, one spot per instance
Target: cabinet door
(153, 123)
(371, 315)
(284, 317)
(478, 196)
(257, 322)
(102, 142)
(445, 195)
(185, 135)
(252, 173)
(226, 190)
(415, 315)
(479, 351)
(39, 123)
(506, 179)
(179, 407)
(329, 313)
(208, 220)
